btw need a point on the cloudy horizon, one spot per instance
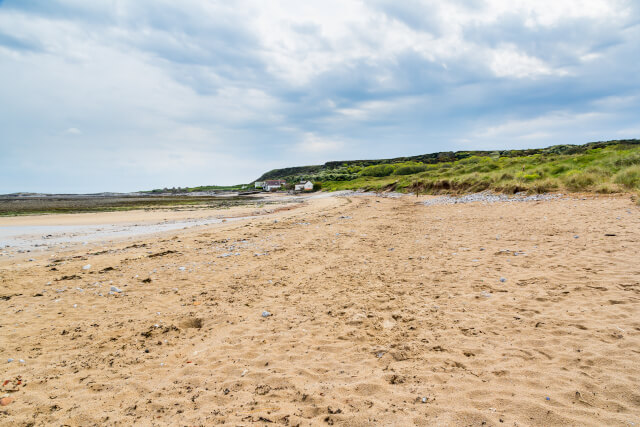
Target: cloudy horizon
(116, 95)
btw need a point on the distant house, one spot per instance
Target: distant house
(259, 184)
(304, 186)
(273, 184)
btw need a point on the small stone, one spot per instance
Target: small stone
(182, 268)
(502, 279)
(424, 400)
(576, 236)
(86, 267)
(6, 401)
(9, 360)
(115, 289)
(21, 361)
(266, 314)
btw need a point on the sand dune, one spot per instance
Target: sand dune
(382, 312)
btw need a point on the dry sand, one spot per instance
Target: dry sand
(376, 305)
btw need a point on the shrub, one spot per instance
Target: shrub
(629, 160)
(377, 170)
(469, 160)
(410, 168)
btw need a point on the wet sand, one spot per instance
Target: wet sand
(37, 234)
(380, 312)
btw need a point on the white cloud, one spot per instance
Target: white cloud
(528, 128)
(73, 131)
(508, 62)
(313, 144)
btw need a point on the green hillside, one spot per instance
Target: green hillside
(605, 167)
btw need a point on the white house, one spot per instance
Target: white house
(274, 184)
(304, 186)
(259, 184)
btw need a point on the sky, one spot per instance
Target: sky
(125, 95)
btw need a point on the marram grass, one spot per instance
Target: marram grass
(612, 169)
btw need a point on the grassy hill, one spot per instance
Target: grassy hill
(604, 167)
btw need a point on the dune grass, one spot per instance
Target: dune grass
(611, 169)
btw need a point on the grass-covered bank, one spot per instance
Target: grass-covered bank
(611, 169)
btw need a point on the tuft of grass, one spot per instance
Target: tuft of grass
(531, 177)
(607, 188)
(577, 180)
(629, 178)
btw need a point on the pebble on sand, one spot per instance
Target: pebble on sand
(86, 267)
(114, 289)
(266, 314)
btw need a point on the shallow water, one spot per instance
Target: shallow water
(33, 238)
(21, 239)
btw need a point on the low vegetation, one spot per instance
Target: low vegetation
(602, 167)
(602, 170)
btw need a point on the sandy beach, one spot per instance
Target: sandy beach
(352, 310)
